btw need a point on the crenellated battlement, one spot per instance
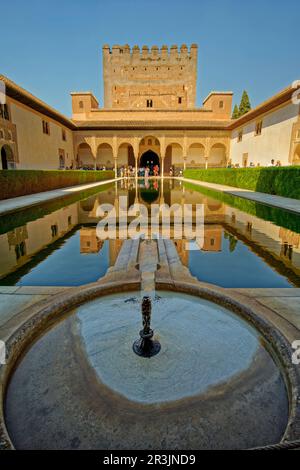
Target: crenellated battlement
(154, 77)
(151, 53)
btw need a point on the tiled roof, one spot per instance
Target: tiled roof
(152, 125)
(23, 96)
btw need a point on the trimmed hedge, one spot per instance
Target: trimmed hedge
(15, 183)
(278, 216)
(280, 181)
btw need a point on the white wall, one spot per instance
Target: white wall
(274, 141)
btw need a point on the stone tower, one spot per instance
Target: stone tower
(156, 78)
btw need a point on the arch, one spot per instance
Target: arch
(296, 156)
(85, 158)
(150, 194)
(174, 157)
(126, 155)
(196, 155)
(149, 152)
(7, 158)
(149, 141)
(150, 159)
(217, 155)
(104, 156)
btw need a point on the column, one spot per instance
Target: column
(162, 167)
(116, 167)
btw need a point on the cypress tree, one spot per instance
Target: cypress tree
(236, 112)
(245, 105)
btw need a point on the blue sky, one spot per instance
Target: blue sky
(54, 47)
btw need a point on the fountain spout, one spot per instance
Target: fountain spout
(145, 346)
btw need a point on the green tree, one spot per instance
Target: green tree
(236, 112)
(245, 105)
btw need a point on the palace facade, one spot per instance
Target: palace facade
(149, 114)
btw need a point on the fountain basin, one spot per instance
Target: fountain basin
(213, 385)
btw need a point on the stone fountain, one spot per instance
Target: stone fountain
(146, 346)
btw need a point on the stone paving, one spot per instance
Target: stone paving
(25, 311)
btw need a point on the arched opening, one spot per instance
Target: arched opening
(150, 160)
(296, 157)
(196, 156)
(150, 192)
(104, 157)
(7, 158)
(217, 156)
(173, 158)
(85, 157)
(126, 156)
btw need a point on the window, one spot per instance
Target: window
(4, 113)
(63, 135)
(20, 250)
(221, 104)
(258, 128)
(149, 104)
(46, 127)
(1, 134)
(240, 136)
(54, 230)
(81, 104)
(179, 100)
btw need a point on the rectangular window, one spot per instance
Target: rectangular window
(221, 104)
(179, 100)
(4, 113)
(258, 128)
(149, 103)
(240, 136)
(46, 127)
(63, 135)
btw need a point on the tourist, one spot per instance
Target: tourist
(272, 162)
(171, 172)
(278, 163)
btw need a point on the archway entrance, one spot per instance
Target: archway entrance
(7, 157)
(150, 159)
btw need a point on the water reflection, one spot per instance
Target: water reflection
(240, 249)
